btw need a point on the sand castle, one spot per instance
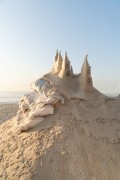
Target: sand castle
(63, 69)
(73, 130)
(55, 87)
(76, 85)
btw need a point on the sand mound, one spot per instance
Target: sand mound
(81, 140)
(78, 135)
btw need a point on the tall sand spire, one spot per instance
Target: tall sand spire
(65, 71)
(71, 70)
(54, 64)
(85, 77)
(56, 56)
(58, 63)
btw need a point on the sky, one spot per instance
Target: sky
(32, 30)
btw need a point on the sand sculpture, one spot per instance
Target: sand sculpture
(53, 88)
(77, 136)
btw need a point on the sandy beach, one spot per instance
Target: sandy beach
(7, 111)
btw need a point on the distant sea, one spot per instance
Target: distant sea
(10, 96)
(14, 97)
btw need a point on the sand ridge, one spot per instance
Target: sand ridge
(81, 140)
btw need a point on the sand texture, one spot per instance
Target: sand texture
(80, 141)
(7, 111)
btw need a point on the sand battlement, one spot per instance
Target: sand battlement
(62, 68)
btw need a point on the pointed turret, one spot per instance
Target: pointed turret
(56, 56)
(59, 59)
(65, 71)
(85, 64)
(66, 62)
(54, 64)
(85, 77)
(71, 70)
(58, 63)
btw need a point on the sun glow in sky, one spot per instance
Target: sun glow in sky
(32, 30)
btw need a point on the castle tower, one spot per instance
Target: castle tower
(56, 57)
(66, 70)
(71, 70)
(85, 77)
(58, 63)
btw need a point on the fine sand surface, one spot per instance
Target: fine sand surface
(80, 141)
(7, 111)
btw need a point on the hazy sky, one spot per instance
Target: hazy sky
(32, 30)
